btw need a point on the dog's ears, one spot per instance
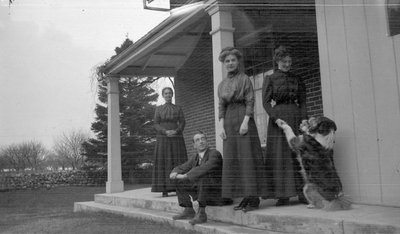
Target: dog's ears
(321, 125)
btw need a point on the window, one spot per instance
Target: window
(393, 16)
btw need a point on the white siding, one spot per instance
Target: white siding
(360, 89)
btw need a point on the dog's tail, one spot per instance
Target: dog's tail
(340, 203)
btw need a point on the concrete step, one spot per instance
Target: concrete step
(287, 219)
(211, 227)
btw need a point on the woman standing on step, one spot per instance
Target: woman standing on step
(242, 173)
(284, 98)
(170, 149)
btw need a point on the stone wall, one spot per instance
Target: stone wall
(52, 179)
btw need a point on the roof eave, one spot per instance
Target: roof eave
(154, 38)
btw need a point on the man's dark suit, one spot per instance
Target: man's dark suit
(204, 180)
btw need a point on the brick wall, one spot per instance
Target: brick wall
(314, 95)
(195, 93)
(194, 81)
(306, 65)
(275, 25)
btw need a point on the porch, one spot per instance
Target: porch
(186, 46)
(142, 203)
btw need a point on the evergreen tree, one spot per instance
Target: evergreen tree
(136, 114)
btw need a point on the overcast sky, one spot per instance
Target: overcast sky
(48, 49)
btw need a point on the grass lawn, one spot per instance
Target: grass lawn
(51, 211)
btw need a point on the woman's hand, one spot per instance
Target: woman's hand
(223, 134)
(282, 124)
(173, 175)
(170, 133)
(181, 176)
(244, 128)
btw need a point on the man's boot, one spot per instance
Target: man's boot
(201, 216)
(254, 203)
(187, 213)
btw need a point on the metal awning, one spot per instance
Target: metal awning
(165, 48)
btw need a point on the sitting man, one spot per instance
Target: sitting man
(199, 178)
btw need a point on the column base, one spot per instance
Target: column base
(114, 186)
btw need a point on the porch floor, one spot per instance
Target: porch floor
(268, 219)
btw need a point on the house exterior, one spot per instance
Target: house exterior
(343, 50)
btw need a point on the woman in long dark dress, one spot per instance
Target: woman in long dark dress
(284, 97)
(242, 174)
(170, 149)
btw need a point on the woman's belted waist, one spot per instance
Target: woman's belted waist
(169, 125)
(168, 122)
(286, 102)
(238, 102)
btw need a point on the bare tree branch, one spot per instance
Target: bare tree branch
(26, 155)
(68, 148)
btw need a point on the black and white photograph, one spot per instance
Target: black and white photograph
(200, 116)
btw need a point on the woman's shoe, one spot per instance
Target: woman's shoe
(253, 203)
(282, 202)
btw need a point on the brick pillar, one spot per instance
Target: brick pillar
(114, 175)
(222, 36)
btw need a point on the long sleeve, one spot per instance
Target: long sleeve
(186, 166)
(248, 94)
(214, 162)
(221, 103)
(267, 91)
(157, 121)
(302, 99)
(181, 121)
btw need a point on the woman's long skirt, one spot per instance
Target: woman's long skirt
(243, 173)
(169, 152)
(284, 179)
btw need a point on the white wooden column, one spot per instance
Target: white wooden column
(222, 36)
(114, 175)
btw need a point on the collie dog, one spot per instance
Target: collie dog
(314, 149)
